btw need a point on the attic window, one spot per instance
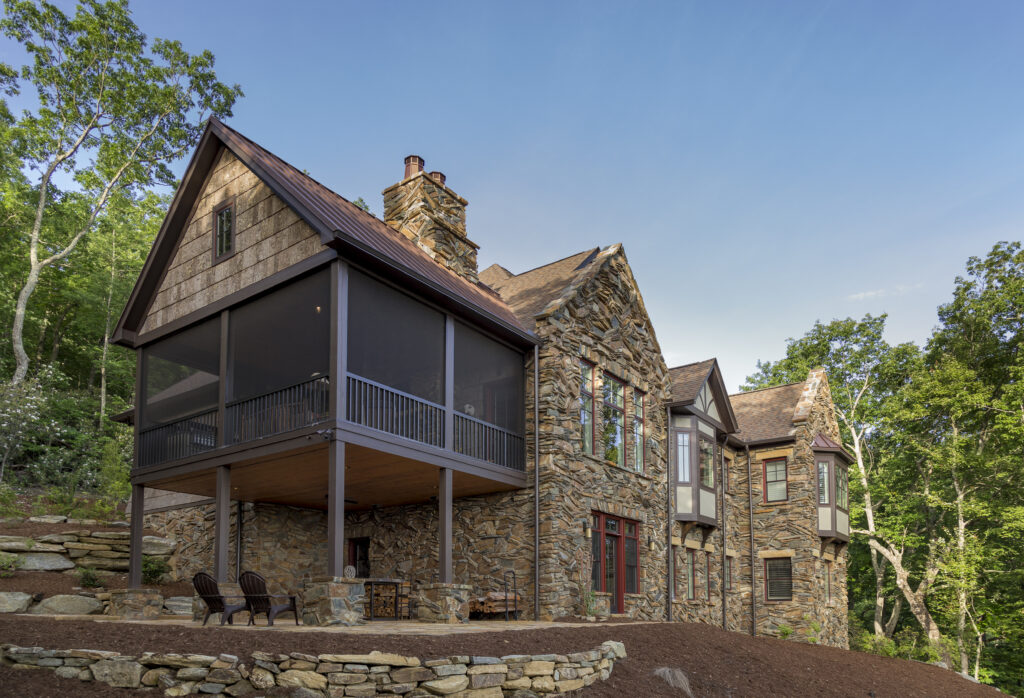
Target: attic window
(223, 232)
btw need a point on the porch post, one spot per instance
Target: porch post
(222, 517)
(135, 544)
(336, 509)
(444, 516)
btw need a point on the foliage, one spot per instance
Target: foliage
(785, 631)
(88, 578)
(8, 501)
(153, 569)
(8, 564)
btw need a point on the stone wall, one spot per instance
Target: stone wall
(269, 236)
(99, 550)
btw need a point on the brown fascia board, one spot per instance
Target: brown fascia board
(761, 442)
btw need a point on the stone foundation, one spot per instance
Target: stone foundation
(442, 603)
(136, 604)
(333, 601)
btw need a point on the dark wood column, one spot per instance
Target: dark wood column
(444, 532)
(222, 522)
(135, 544)
(449, 382)
(336, 509)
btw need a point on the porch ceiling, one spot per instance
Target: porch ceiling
(299, 478)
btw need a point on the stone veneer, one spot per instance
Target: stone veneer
(333, 601)
(331, 675)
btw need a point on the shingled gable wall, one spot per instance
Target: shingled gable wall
(269, 237)
(602, 319)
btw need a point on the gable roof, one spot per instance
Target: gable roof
(529, 293)
(767, 414)
(685, 383)
(341, 225)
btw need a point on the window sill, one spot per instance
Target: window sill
(616, 468)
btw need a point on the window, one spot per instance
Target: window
(728, 476)
(778, 574)
(615, 559)
(181, 375)
(823, 482)
(707, 576)
(614, 417)
(775, 488)
(691, 576)
(223, 232)
(359, 555)
(488, 380)
(707, 464)
(683, 456)
(639, 432)
(587, 406)
(828, 581)
(842, 489)
(728, 573)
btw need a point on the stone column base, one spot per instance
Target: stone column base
(442, 603)
(136, 604)
(333, 601)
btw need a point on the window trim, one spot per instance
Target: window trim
(701, 440)
(605, 379)
(828, 581)
(691, 574)
(683, 432)
(728, 572)
(707, 576)
(599, 521)
(845, 470)
(767, 597)
(639, 445)
(764, 481)
(228, 204)
(592, 412)
(827, 490)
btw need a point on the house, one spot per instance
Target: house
(322, 391)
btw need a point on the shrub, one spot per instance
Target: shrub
(88, 578)
(8, 563)
(8, 501)
(785, 631)
(153, 569)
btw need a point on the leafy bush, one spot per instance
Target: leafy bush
(153, 569)
(8, 501)
(8, 563)
(785, 631)
(88, 578)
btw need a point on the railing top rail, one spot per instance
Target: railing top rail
(187, 418)
(460, 415)
(317, 379)
(394, 390)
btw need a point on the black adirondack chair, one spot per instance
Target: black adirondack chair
(209, 592)
(258, 601)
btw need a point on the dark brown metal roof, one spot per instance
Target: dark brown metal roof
(331, 214)
(530, 292)
(685, 381)
(767, 414)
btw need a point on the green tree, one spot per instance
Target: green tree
(112, 114)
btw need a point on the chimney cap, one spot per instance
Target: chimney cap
(438, 177)
(413, 165)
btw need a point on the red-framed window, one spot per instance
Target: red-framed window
(615, 557)
(587, 406)
(776, 482)
(223, 231)
(639, 432)
(778, 579)
(613, 420)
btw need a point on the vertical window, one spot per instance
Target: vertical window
(823, 482)
(614, 418)
(707, 464)
(828, 581)
(842, 489)
(683, 456)
(707, 575)
(596, 583)
(679, 578)
(639, 432)
(223, 232)
(587, 406)
(691, 576)
(778, 574)
(728, 476)
(775, 487)
(728, 573)
(631, 557)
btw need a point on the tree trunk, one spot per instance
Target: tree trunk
(106, 330)
(894, 617)
(18, 330)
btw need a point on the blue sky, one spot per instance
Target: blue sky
(765, 164)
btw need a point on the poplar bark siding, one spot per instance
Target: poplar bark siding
(268, 237)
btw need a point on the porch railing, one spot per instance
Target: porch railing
(385, 409)
(297, 406)
(483, 441)
(180, 439)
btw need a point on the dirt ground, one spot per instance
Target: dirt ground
(718, 663)
(46, 584)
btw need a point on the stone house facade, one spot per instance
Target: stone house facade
(543, 440)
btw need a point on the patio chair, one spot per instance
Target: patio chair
(257, 600)
(209, 592)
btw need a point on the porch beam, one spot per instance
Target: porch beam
(135, 542)
(222, 518)
(336, 509)
(444, 533)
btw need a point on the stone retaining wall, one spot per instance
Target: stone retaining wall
(331, 675)
(99, 550)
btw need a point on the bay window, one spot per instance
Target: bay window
(707, 464)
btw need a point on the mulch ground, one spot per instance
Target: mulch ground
(717, 662)
(46, 584)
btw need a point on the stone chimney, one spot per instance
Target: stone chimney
(426, 211)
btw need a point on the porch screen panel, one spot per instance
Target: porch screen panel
(395, 340)
(182, 374)
(280, 339)
(488, 380)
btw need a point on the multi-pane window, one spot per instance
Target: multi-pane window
(614, 420)
(630, 557)
(775, 489)
(639, 432)
(615, 562)
(683, 456)
(587, 406)
(778, 572)
(707, 463)
(224, 232)
(842, 489)
(823, 482)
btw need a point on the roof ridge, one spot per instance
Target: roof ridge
(592, 252)
(761, 390)
(692, 363)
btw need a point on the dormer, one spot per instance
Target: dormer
(831, 464)
(701, 420)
